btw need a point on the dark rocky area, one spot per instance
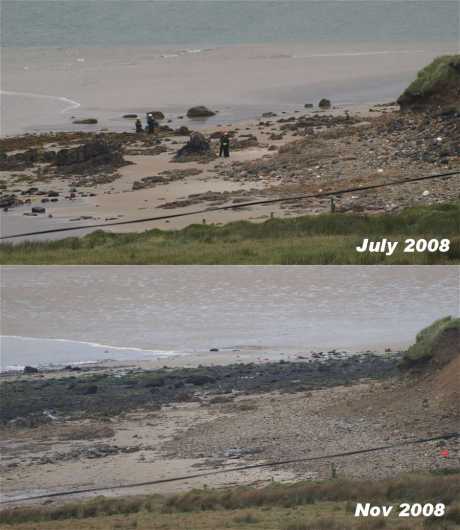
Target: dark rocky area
(25, 400)
(96, 153)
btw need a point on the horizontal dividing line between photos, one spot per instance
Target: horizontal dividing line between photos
(240, 205)
(448, 436)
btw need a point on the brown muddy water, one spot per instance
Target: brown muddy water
(58, 315)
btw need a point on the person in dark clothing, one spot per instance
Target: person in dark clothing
(139, 127)
(151, 124)
(224, 145)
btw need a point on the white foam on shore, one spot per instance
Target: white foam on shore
(71, 103)
(85, 348)
(357, 54)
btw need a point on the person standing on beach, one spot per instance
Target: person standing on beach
(139, 128)
(151, 123)
(224, 145)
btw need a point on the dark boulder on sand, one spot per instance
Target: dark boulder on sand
(200, 112)
(30, 370)
(198, 145)
(183, 131)
(324, 104)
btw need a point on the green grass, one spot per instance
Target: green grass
(428, 339)
(437, 78)
(307, 505)
(309, 239)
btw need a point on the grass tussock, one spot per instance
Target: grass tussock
(423, 488)
(320, 239)
(325, 505)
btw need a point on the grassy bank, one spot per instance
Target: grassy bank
(438, 342)
(299, 506)
(437, 83)
(321, 239)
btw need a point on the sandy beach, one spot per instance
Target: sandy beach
(268, 160)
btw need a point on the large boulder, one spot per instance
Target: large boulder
(324, 104)
(197, 146)
(437, 86)
(200, 112)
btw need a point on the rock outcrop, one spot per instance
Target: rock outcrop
(96, 153)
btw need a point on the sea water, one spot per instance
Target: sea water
(77, 58)
(61, 315)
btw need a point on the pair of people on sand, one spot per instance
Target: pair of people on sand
(152, 124)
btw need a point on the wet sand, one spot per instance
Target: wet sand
(45, 88)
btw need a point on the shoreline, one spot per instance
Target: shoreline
(212, 358)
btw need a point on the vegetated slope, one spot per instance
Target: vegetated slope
(435, 359)
(425, 398)
(437, 85)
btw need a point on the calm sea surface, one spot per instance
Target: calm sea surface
(76, 23)
(78, 314)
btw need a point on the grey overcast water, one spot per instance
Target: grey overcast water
(57, 315)
(65, 58)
